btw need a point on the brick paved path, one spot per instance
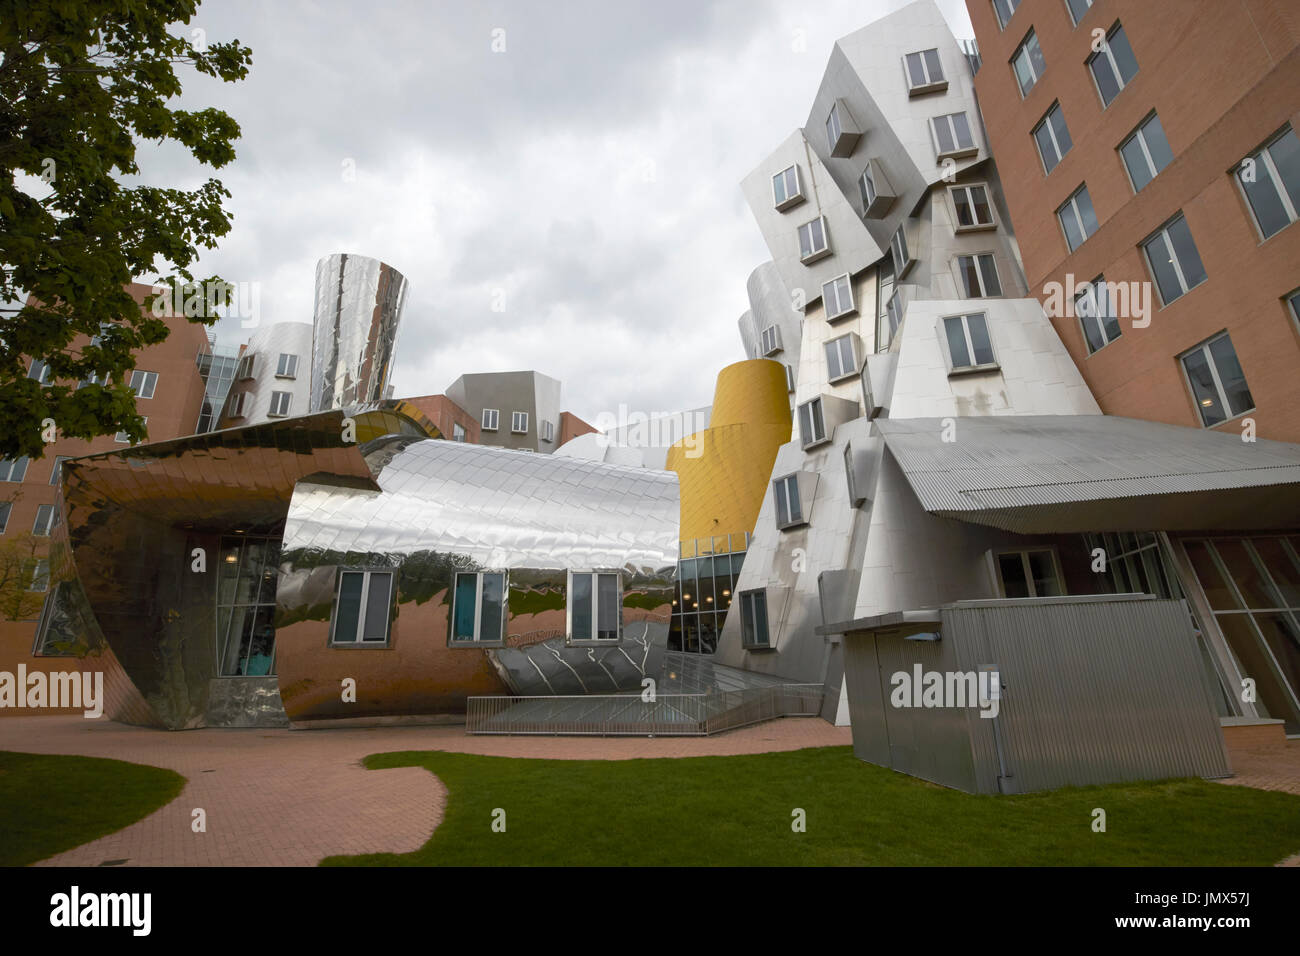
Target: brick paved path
(289, 798)
(1268, 768)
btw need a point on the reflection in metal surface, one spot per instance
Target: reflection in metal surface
(358, 308)
(275, 363)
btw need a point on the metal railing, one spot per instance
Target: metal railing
(627, 715)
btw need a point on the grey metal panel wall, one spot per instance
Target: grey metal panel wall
(866, 702)
(1095, 692)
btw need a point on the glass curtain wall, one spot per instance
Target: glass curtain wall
(246, 606)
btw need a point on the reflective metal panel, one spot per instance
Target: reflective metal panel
(359, 304)
(266, 379)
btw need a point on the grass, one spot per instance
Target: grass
(51, 803)
(737, 811)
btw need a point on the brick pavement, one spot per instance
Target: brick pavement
(289, 798)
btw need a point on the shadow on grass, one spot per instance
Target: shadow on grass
(50, 803)
(738, 810)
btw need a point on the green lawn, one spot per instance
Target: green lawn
(51, 803)
(737, 810)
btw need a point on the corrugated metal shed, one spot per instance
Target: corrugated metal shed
(1040, 474)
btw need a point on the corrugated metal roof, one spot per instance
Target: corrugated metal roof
(1063, 473)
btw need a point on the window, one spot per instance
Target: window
(894, 313)
(5, 507)
(898, 249)
(361, 607)
(1052, 137)
(44, 520)
(789, 378)
(753, 619)
(1293, 300)
(237, 404)
(1004, 9)
(813, 244)
(849, 479)
(123, 439)
(770, 340)
(491, 419)
(837, 296)
(56, 470)
(924, 73)
(478, 611)
(969, 346)
(842, 134)
(1029, 574)
(1218, 384)
(952, 134)
(40, 576)
(548, 431)
(1113, 66)
(245, 367)
(280, 403)
(595, 606)
(457, 432)
(1096, 313)
(144, 383)
(1146, 152)
(841, 361)
(519, 423)
(971, 204)
(1028, 63)
(979, 275)
(867, 189)
(287, 366)
(1077, 218)
(1175, 263)
(833, 129)
(789, 509)
(1270, 179)
(1077, 9)
(812, 425)
(886, 305)
(13, 469)
(39, 371)
(786, 189)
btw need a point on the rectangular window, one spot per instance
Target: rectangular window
(886, 305)
(1004, 9)
(924, 72)
(841, 361)
(952, 134)
(5, 508)
(1113, 66)
(595, 605)
(894, 314)
(122, 438)
(44, 520)
(478, 611)
(245, 367)
(813, 243)
(1293, 300)
(144, 383)
(40, 576)
(834, 129)
(13, 469)
(1270, 179)
(1028, 63)
(837, 296)
(519, 423)
(789, 509)
(1052, 137)
(1077, 218)
(39, 371)
(491, 419)
(548, 431)
(1146, 152)
(1175, 264)
(1077, 9)
(786, 188)
(753, 619)
(287, 366)
(979, 275)
(1029, 574)
(280, 403)
(867, 189)
(237, 404)
(1218, 384)
(971, 204)
(771, 340)
(362, 607)
(56, 470)
(968, 340)
(850, 481)
(812, 425)
(898, 249)
(789, 378)
(1096, 313)
(457, 432)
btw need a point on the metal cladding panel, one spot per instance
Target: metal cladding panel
(266, 346)
(359, 304)
(867, 699)
(1062, 473)
(1094, 691)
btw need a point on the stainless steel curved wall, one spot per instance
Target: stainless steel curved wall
(449, 507)
(359, 304)
(264, 379)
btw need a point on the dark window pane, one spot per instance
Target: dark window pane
(961, 129)
(1057, 119)
(915, 70)
(1046, 149)
(1280, 568)
(979, 338)
(494, 600)
(465, 601)
(1012, 571)
(608, 607)
(983, 213)
(1286, 157)
(1202, 382)
(1185, 249)
(1162, 268)
(1211, 581)
(969, 276)
(376, 626)
(1043, 569)
(1136, 163)
(1125, 61)
(932, 64)
(1107, 85)
(990, 273)
(1231, 376)
(956, 342)
(580, 607)
(348, 614)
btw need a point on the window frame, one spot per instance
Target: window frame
(478, 640)
(13, 467)
(1072, 201)
(292, 371)
(1122, 84)
(363, 607)
(1264, 158)
(546, 431)
(819, 420)
(748, 625)
(1163, 233)
(965, 317)
(245, 367)
(458, 432)
(57, 468)
(789, 377)
(1076, 20)
(1081, 317)
(595, 574)
(6, 509)
(898, 247)
(496, 420)
(1028, 572)
(1046, 123)
(237, 407)
(982, 292)
(47, 511)
(968, 189)
(1024, 49)
(1138, 136)
(794, 516)
(841, 311)
(815, 253)
(144, 419)
(791, 199)
(272, 411)
(1220, 391)
(775, 340)
(837, 343)
(930, 84)
(150, 379)
(519, 423)
(958, 150)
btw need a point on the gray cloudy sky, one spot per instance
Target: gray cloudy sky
(586, 179)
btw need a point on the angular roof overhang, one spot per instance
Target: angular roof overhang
(1044, 474)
